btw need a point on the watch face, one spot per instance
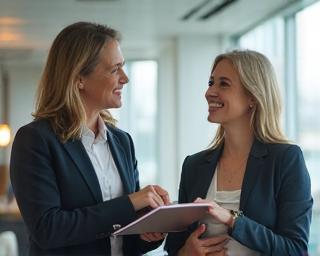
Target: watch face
(236, 213)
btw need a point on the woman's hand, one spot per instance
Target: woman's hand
(152, 237)
(221, 253)
(196, 246)
(152, 195)
(219, 213)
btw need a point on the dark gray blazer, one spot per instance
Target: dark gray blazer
(275, 199)
(59, 196)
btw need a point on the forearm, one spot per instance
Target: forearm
(260, 238)
(59, 228)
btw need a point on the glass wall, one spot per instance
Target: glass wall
(308, 91)
(268, 39)
(138, 115)
(293, 46)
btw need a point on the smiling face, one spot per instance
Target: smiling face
(101, 89)
(227, 99)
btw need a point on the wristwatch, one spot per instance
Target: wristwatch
(235, 215)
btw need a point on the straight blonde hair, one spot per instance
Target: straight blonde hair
(259, 80)
(74, 52)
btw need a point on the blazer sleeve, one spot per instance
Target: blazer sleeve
(36, 188)
(294, 209)
(176, 240)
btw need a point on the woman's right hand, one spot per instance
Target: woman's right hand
(152, 195)
(196, 246)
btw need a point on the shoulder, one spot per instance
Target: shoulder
(36, 136)
(200, 157)
(282, 147)
(274, 150)
(38, 128)
(288, 161)
(284, 151)
(278, 155)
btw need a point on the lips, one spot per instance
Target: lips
(215, 105)
(118, 91)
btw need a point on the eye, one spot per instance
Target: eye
(114, 70)
(210, 82)
(224, 84)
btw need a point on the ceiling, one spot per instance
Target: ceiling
(27, 27)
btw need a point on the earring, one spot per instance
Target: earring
(80, 86)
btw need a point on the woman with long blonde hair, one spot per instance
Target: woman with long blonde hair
(256, 181)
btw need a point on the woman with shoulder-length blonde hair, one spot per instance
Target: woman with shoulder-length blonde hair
(59, 98)
(74, 173)
(256, 181)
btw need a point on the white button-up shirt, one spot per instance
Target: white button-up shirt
(106, 170)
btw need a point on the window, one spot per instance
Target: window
(138, 116)
(308, 77)
(268, 39)
(292, 45)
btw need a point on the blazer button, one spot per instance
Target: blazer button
(116, 226)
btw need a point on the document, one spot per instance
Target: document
(167, 218)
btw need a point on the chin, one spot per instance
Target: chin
(213, 120)
(118, 105)
(111, 106)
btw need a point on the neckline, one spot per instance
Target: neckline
(215, 180)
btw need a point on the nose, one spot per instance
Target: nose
(123, 78)
(211, 91)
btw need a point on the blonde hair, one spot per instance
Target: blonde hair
(259, 80)
(74, 52)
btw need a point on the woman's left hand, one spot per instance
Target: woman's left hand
(219, 213)
(153, 237)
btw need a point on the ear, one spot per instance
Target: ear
(252, 103)
(80, 83)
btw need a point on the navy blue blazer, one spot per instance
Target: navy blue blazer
(275, 198)
(59, 196)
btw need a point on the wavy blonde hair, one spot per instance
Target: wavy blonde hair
(74, 52)
(259, 80)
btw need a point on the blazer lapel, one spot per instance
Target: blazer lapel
(206, 172)
(119, 158)
(79, 155)
(254, 165)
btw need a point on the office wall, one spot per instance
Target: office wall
(184, 69)
(23, 83)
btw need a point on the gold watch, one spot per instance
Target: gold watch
(235, 214)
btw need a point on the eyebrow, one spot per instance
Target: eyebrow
(221, 78)
(225, 78)
(121, 64)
